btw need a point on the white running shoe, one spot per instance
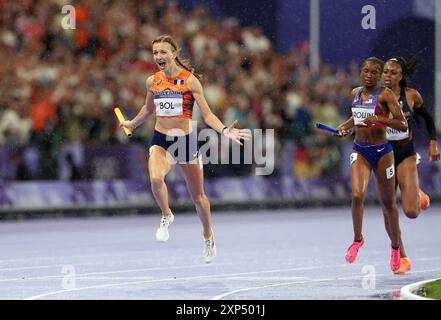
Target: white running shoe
(162, 232)
(209, 249)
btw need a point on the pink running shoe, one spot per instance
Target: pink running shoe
(395, 260)
(351, 255)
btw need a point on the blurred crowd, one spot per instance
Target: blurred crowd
(58, 86)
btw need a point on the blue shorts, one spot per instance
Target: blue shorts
(181, 148)
(372, 152)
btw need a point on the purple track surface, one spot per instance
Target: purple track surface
(262, 255)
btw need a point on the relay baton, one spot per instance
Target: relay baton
(326, 128)
(121, 120)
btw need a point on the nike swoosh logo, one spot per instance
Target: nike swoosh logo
(379, 150)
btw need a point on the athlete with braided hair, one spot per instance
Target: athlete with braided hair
(413, 198)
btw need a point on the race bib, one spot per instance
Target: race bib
(168, 107)
(393, 134)
(390, 172)
(360, 114)
(353, 157)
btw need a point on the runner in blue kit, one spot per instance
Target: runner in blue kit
(374, 108)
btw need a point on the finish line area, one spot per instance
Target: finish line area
(261, 255)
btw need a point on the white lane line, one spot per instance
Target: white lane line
(47, 294)
(34, 267)
(178, 279)
(71, 258)
(262, 279)
(232, 279)
(154, 259)
(219, 297)
(114, 272)
(163, 268)
(60, 265)
(226, 294)
(212, 277)
(114, 278)
(92, 254)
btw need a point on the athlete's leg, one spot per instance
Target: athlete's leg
(360, 172)
(407, 177)
(194, 177)
(386, 225)
(405, 264)
(385, 176)
(159, 165)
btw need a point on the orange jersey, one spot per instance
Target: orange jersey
(171, 96)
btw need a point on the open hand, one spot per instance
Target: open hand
(236, 134)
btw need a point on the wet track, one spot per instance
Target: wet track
(270, 255)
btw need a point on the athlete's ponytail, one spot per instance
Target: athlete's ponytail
(182, 63)
(186, 65)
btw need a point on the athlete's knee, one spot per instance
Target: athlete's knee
(199, 199)
(412, 213)
(411, 203)
(357, 198)
(156, 182)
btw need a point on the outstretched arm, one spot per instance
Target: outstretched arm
(211, 119)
